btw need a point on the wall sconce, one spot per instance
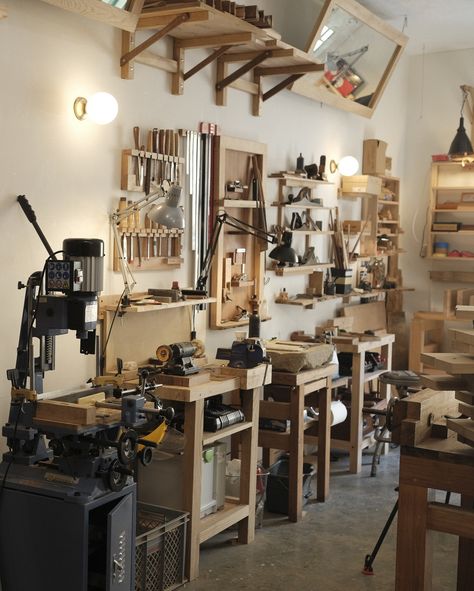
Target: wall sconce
(461, 145)
(347, 166)
(101, 108)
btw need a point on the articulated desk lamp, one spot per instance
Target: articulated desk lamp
(168, 214)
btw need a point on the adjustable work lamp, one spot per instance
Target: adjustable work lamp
(168, 214)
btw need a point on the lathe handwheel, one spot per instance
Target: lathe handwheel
(116, 478)
(146, 456)
(127, 447)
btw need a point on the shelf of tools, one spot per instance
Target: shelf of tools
(145, 168)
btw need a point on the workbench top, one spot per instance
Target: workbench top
(363, 346)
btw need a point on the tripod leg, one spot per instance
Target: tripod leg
(370, 558)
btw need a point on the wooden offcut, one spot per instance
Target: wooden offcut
(65, 412)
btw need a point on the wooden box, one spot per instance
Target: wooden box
(362, 184)
(374, 158)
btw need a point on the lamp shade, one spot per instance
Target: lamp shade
(168, 213)
(348, 166)
(461, 144)
(284, 253)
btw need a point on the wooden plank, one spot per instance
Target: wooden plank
(65, 412)
(370, 316)
(454, 363)
(213, 524)
(245, 86)
(295, 462)
(99, 11)
(212, 388)
(274, 410)
(466, 409)
(463, 336)
(464, 428)
(465, 397)
(255, 377)
(148, 58)
(414, 542)
(186, 381)
(209, 437)
(451, 520)
(303, 377)
(452, 276)
(465, 552)
(274, 440)
(211, 41)
(465, 312)
(442, 382)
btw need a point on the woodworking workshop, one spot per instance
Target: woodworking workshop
(238, 310)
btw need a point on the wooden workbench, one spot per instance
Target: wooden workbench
(358, 380)
(250, 383)
(301, 384)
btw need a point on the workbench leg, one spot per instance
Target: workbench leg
(248, 468)
(414, 551)
(357, 402)
(386, 389)
(193, 428)
(295, 467)
(324, 442)
(466, 554)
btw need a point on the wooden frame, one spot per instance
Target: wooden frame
(306, 85)
(231, 162)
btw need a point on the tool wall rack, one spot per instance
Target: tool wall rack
(237, 46)
(151, 249)
(129, 181)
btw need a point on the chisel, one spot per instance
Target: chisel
(139, 166)
(131, 227)
(161, 149)
(155, 150)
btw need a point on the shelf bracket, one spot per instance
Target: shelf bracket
(179, 20)
(281, 86)
(258, 59)
(205, 62)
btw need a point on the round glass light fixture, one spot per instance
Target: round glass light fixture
(348, 166)
(101, 108)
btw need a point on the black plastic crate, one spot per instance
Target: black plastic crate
(160, 548)
(278, 485)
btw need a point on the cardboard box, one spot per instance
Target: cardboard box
(373, 159)
(371, 185)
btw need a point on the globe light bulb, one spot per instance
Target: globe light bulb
(101, 108)
(348, 166)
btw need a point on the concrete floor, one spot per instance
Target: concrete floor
(326, 550)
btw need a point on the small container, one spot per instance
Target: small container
(342, 279)
(440, 249)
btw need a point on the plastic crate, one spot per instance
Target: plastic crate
(160, 548)
(278, 486)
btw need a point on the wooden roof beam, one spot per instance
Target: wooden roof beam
(258, 59)
(176, 22)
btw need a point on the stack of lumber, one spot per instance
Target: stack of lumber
(460, 366)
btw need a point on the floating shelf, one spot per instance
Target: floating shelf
(286, 181)
(301, 205)
(137, 309)
(301, 270)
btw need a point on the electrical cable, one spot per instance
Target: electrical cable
(102, 359)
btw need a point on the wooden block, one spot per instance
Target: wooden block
(367, 316)
(463, 336)
(455, 363)
(186, 381)
(65, 412)
(369, 185)
(316, 282)
(442, 382)
(464, 428)
(255, 377)
(374, 157)
(466, 409)
(91, 399)
(413, 416)
(251, 12)
(465, 397)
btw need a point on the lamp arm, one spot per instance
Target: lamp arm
(118, 216)
(127, 276)
(222, 219)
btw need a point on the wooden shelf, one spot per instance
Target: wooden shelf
(140, 309)
(299, 182)
(456, 210)
(301, 270)
(387, 202)
(236, 323)
(456, 233)
(451, 259)
(215, 523)
(312, 232)
(453, 188)
(238, 203)
(387, 222)
(301, 205)
(355, 195)
(209, 437)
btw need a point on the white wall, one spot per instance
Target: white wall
(433, 117)
(70, 171)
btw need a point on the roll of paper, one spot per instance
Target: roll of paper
(338, 412)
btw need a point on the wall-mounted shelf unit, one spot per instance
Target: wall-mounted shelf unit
(239, 263)
(451, 212)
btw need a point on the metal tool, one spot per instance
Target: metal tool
(139, 166)
(177, 358)
(244, 354)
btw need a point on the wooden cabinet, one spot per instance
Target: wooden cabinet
(450, 225)
(239, 263)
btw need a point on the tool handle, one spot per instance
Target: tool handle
(161, 141)
(136, 137)
(155, 140)
(26, 207)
